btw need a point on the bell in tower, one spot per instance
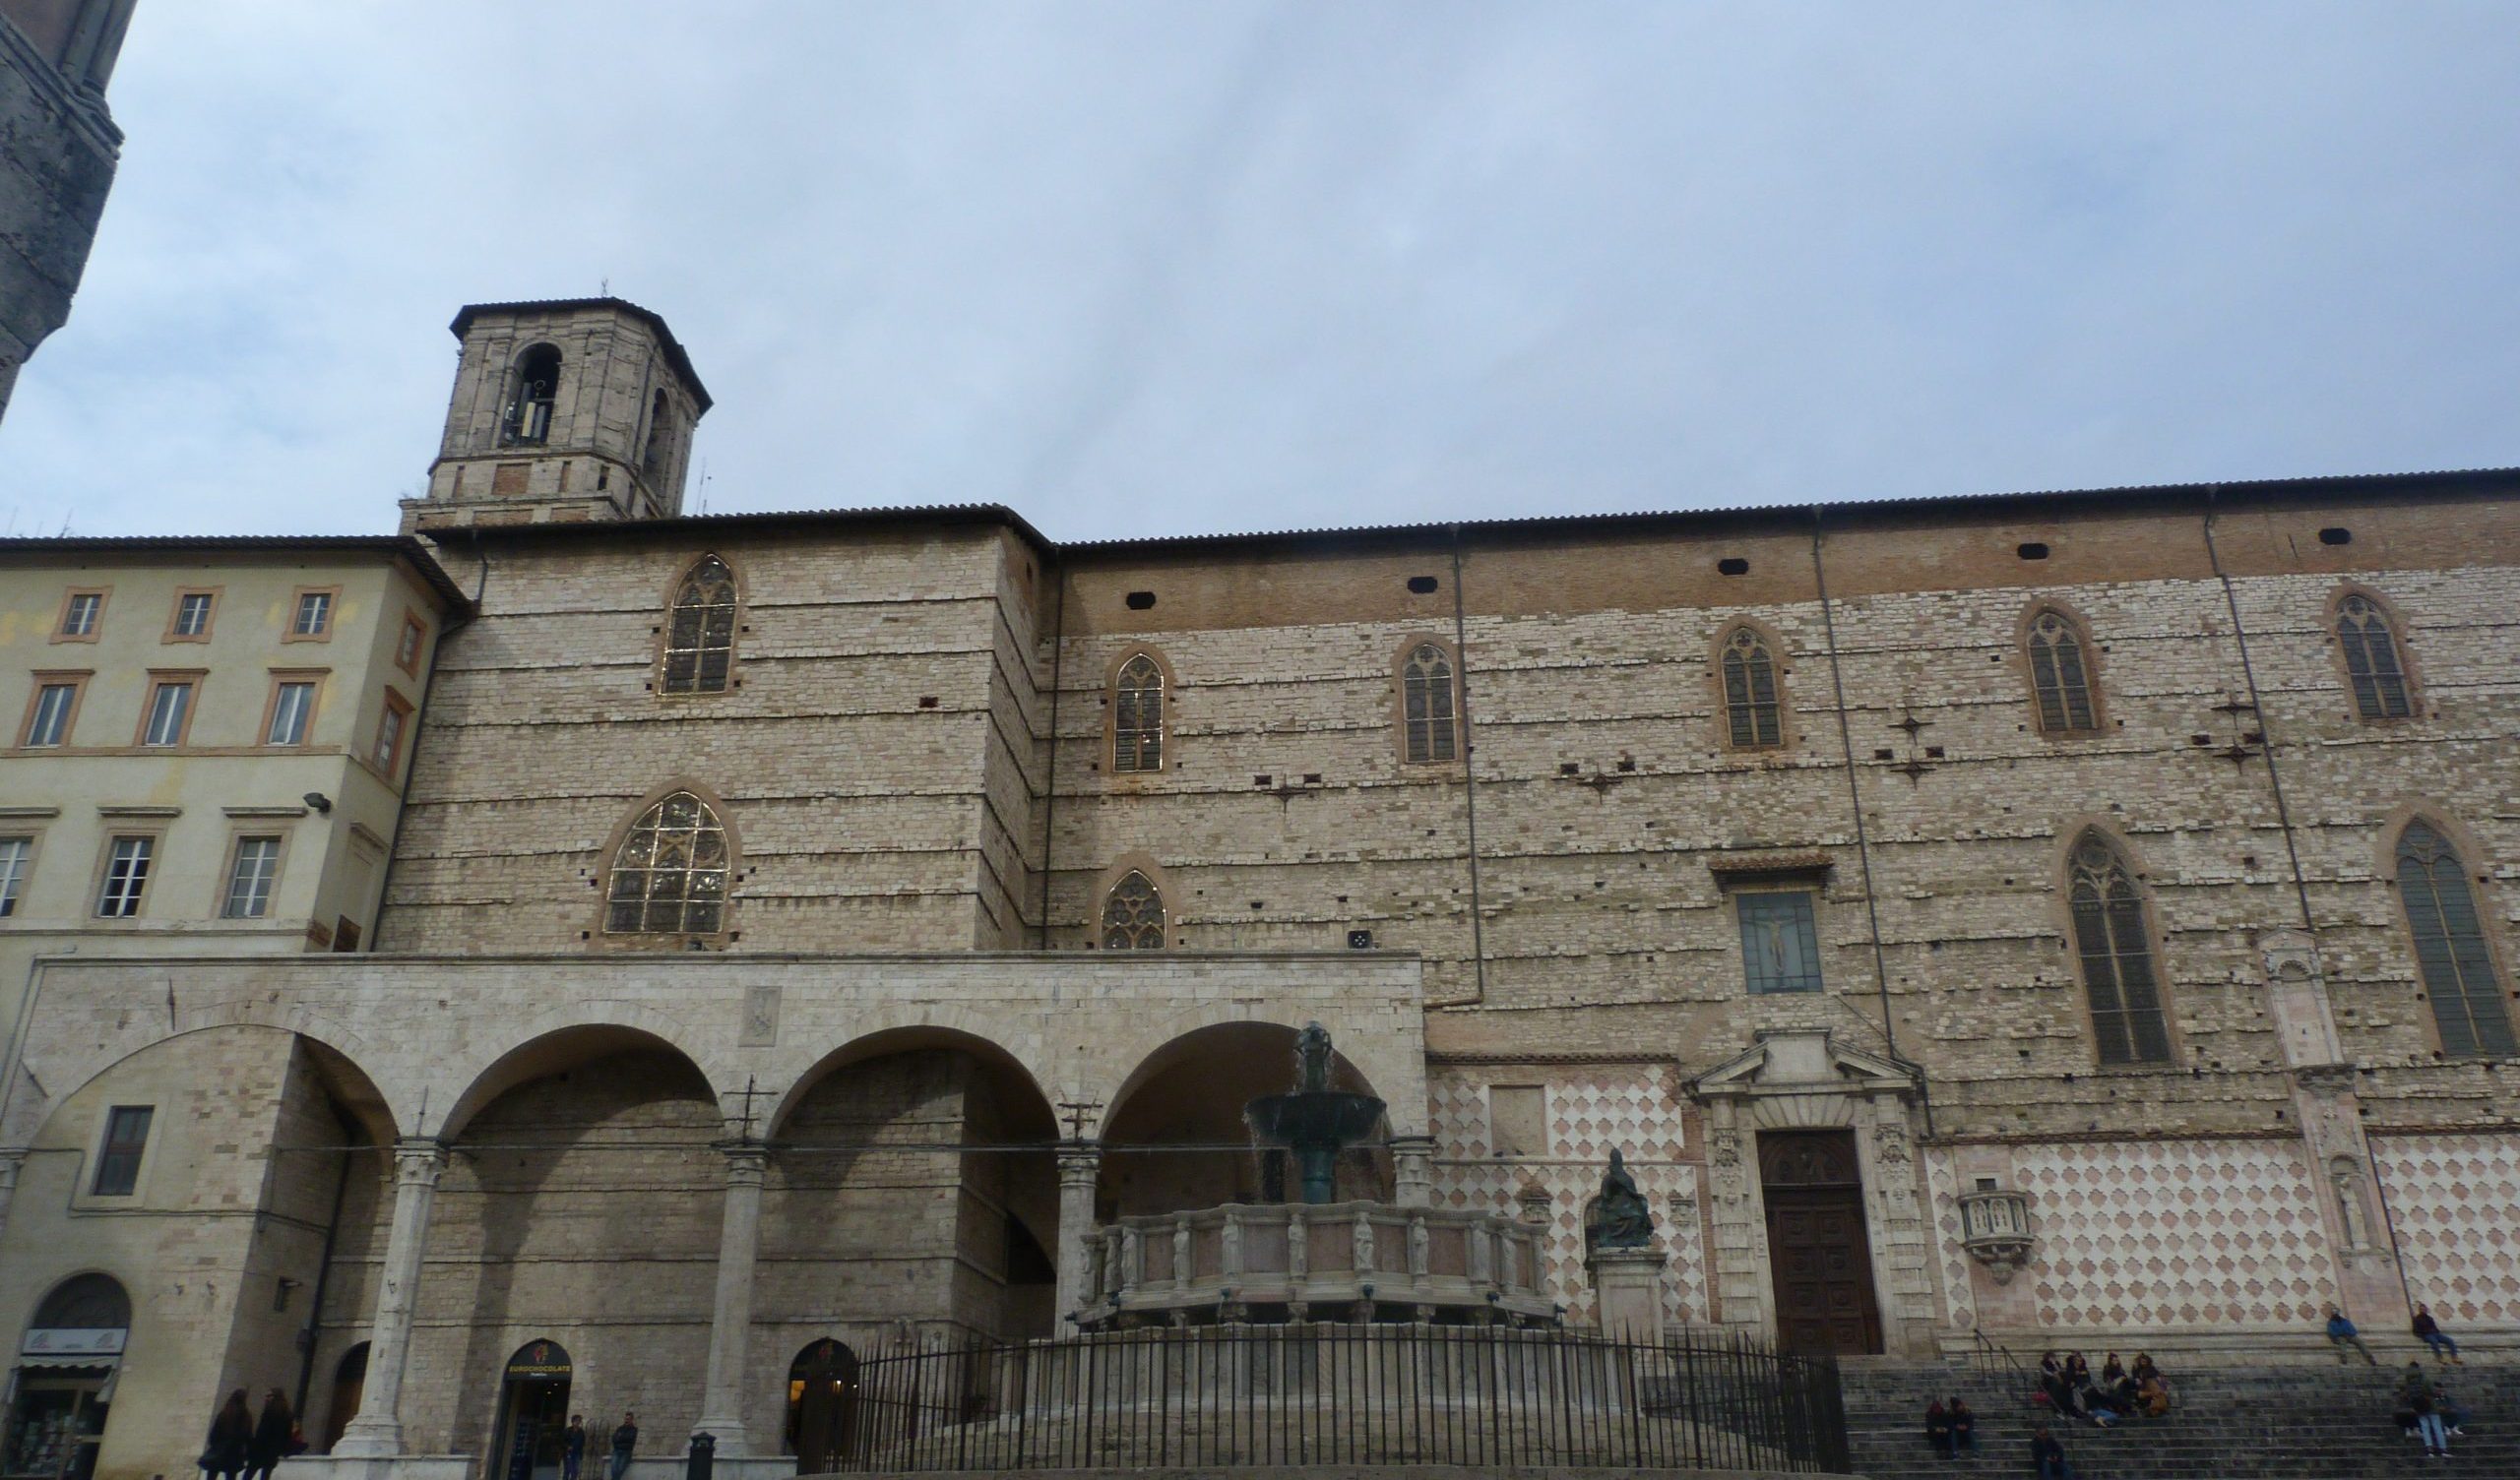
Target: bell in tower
(577, 408)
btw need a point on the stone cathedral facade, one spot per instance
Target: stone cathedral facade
(2073, 918)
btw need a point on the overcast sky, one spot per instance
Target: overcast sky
(1187, 267)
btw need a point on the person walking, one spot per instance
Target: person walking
(2341, 1335)
(231, 1433)
(625, 1440)
(2047, 1457)
(272, 1434)
(572, 1446)
(2428, 1332)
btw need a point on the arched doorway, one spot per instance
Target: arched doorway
(822, 1406)
(350, 1390)
(533, 1412)
(67, 1364)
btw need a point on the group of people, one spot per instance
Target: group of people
(622, 1442)
(2427, 1412)
(2117, 1393)
(2342, 1333)
(243, 1445)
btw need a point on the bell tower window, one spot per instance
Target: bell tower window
(652, 457)
(536, 392)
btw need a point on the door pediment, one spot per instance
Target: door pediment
(1802, 1061)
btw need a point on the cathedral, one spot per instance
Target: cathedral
(571, 955)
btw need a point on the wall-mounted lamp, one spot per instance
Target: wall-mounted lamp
(318, 800)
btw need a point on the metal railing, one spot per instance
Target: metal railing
(1347, 1394)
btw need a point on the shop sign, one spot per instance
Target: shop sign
(83, 1341)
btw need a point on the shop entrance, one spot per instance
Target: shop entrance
(533, 1413)
(67, 1366)
(822, 1406)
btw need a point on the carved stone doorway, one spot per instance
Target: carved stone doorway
(1822, 1261)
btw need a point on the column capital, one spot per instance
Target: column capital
(1080, 1161)
(747, 1160)
(418, 1159)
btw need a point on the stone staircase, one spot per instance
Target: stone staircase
(2309, 1421)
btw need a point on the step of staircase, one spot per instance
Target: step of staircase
(2300, 1422)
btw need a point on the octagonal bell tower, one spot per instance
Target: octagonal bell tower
(577, 408)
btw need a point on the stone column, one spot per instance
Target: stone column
(1080, 1165)
(721, 1395)
(1412, 1170)
(377, 1432)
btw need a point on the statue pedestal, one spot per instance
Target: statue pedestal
(1627, 1292)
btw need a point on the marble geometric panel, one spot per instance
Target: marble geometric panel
(1590, 1110)
(2199, 1233)
(2456, 1203)
(1942, 1182)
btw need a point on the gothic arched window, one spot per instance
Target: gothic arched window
(669, 875)
(2449, 945)
(2116, 942)
(2371, 662)
(699, 633)
(1133, 914)
(535, 390)
(1753, 704)
(1137, 716)
(2060, 675)
(1426, 707)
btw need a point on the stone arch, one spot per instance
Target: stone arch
(914, 1029)
(562, 1039)
(388, 1108)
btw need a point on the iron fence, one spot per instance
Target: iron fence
(1348, 1395)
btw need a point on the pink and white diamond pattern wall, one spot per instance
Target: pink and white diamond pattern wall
(2198, 1233)
(2456, 1203)
(1591, 1111)
(1942, 1185)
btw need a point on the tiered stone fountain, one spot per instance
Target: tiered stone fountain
(1318, 1259)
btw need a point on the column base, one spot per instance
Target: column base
(365, 1439)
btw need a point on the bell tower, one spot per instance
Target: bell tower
(570, 409)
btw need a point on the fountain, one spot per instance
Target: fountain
(1316, 1120)
(1317, 1259)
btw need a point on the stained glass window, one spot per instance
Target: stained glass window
(670, 873)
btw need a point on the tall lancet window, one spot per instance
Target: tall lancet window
(1427, 706)
(700, 642)
(669, 875)
(2116, 942)
(1133, 914)
(1137, 716)
(1753, 704)
(2371, 661)
(536, 392)
(2449, 945)
(2060, 676)
(653, 456)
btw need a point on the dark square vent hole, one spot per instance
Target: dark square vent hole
(1141, 600)
(1422, 585)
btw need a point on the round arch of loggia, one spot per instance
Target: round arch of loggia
(563, 1041)
(1171, 1040)
(338, 1052)
(914, 1032)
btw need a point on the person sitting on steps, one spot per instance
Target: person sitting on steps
(2047, 1457)
(2428, 1332)
(1939, 1427)
(1964, 1426)
(2145, 1370)
(2341, 1335)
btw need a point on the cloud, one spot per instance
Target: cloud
(1148, 269)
